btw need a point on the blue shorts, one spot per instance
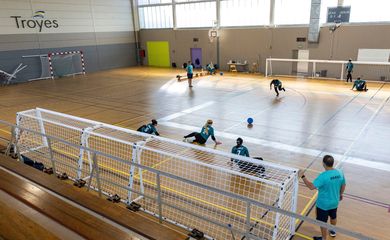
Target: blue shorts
(190, 75)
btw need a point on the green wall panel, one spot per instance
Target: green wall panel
(158, 53)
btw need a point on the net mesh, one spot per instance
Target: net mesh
(376, 71)
(184, 203)
(67, 64)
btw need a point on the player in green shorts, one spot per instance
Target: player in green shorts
(277, 86)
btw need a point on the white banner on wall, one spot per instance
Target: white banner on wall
(373, 55)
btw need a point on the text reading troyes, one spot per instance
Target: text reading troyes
(35, 23)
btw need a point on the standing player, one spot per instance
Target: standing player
(205, 133)
(277, 86)
(349, 68)
(150, 128)
(241, 150)
(190, 73)
(360, 85)
(331, 186)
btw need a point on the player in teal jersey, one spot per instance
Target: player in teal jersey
(190, 73)
(331, 186)
(210, 68)
(205, 133)
(277, 86)
(150, 128)
(349, 68)
(360, 85)
(247, 167)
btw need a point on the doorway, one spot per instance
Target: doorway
(196, 57)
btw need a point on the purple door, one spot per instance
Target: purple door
(196, 57)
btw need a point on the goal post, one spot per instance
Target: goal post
(66, 63)
(187, 185)
(332, 69)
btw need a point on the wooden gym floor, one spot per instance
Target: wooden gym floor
(311, 119)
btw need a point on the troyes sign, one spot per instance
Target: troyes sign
(36, 22)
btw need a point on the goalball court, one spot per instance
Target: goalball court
(107, 103)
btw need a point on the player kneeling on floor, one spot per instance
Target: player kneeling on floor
(210, 68)
(360, 85)
(150, 128)
(248, 167)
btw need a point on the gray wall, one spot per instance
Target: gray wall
(256, 44)
(103, 30)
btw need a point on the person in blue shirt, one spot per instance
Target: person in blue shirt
(360, 85)
(190, 73)
(349, 68)
(331, 186)
(277, 86)
(205, 133)
(150, 128)
(248, 167)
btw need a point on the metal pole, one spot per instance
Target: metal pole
(132, 171)
(159, 200)
(248, 219)
(53, 165)
(8, 150)
(96, 166)
(279, 205)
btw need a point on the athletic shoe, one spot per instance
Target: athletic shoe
(317, 238)
(332, 233)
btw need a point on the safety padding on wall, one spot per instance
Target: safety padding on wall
(158, 53)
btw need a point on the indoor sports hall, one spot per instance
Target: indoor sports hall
(194, 119)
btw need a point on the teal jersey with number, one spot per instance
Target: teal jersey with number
(359, 84)
(328, 185)
(150, 129)
(190, 69)
(349, 66)
(208, 134)
(276, 82)
(241, 150)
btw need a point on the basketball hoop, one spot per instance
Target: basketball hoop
(213, 34)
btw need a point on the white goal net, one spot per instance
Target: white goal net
(191, 186)
(374, 71)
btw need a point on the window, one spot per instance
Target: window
(245, 12)
(372, 11)
(148, 2)
(288, 12)
(200, 14)
(155, 17)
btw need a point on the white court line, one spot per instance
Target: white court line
(185, 112)
(286, 147)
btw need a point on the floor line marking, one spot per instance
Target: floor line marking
(185, 112)
(281, 146)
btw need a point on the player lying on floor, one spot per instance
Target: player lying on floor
(150, 128)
